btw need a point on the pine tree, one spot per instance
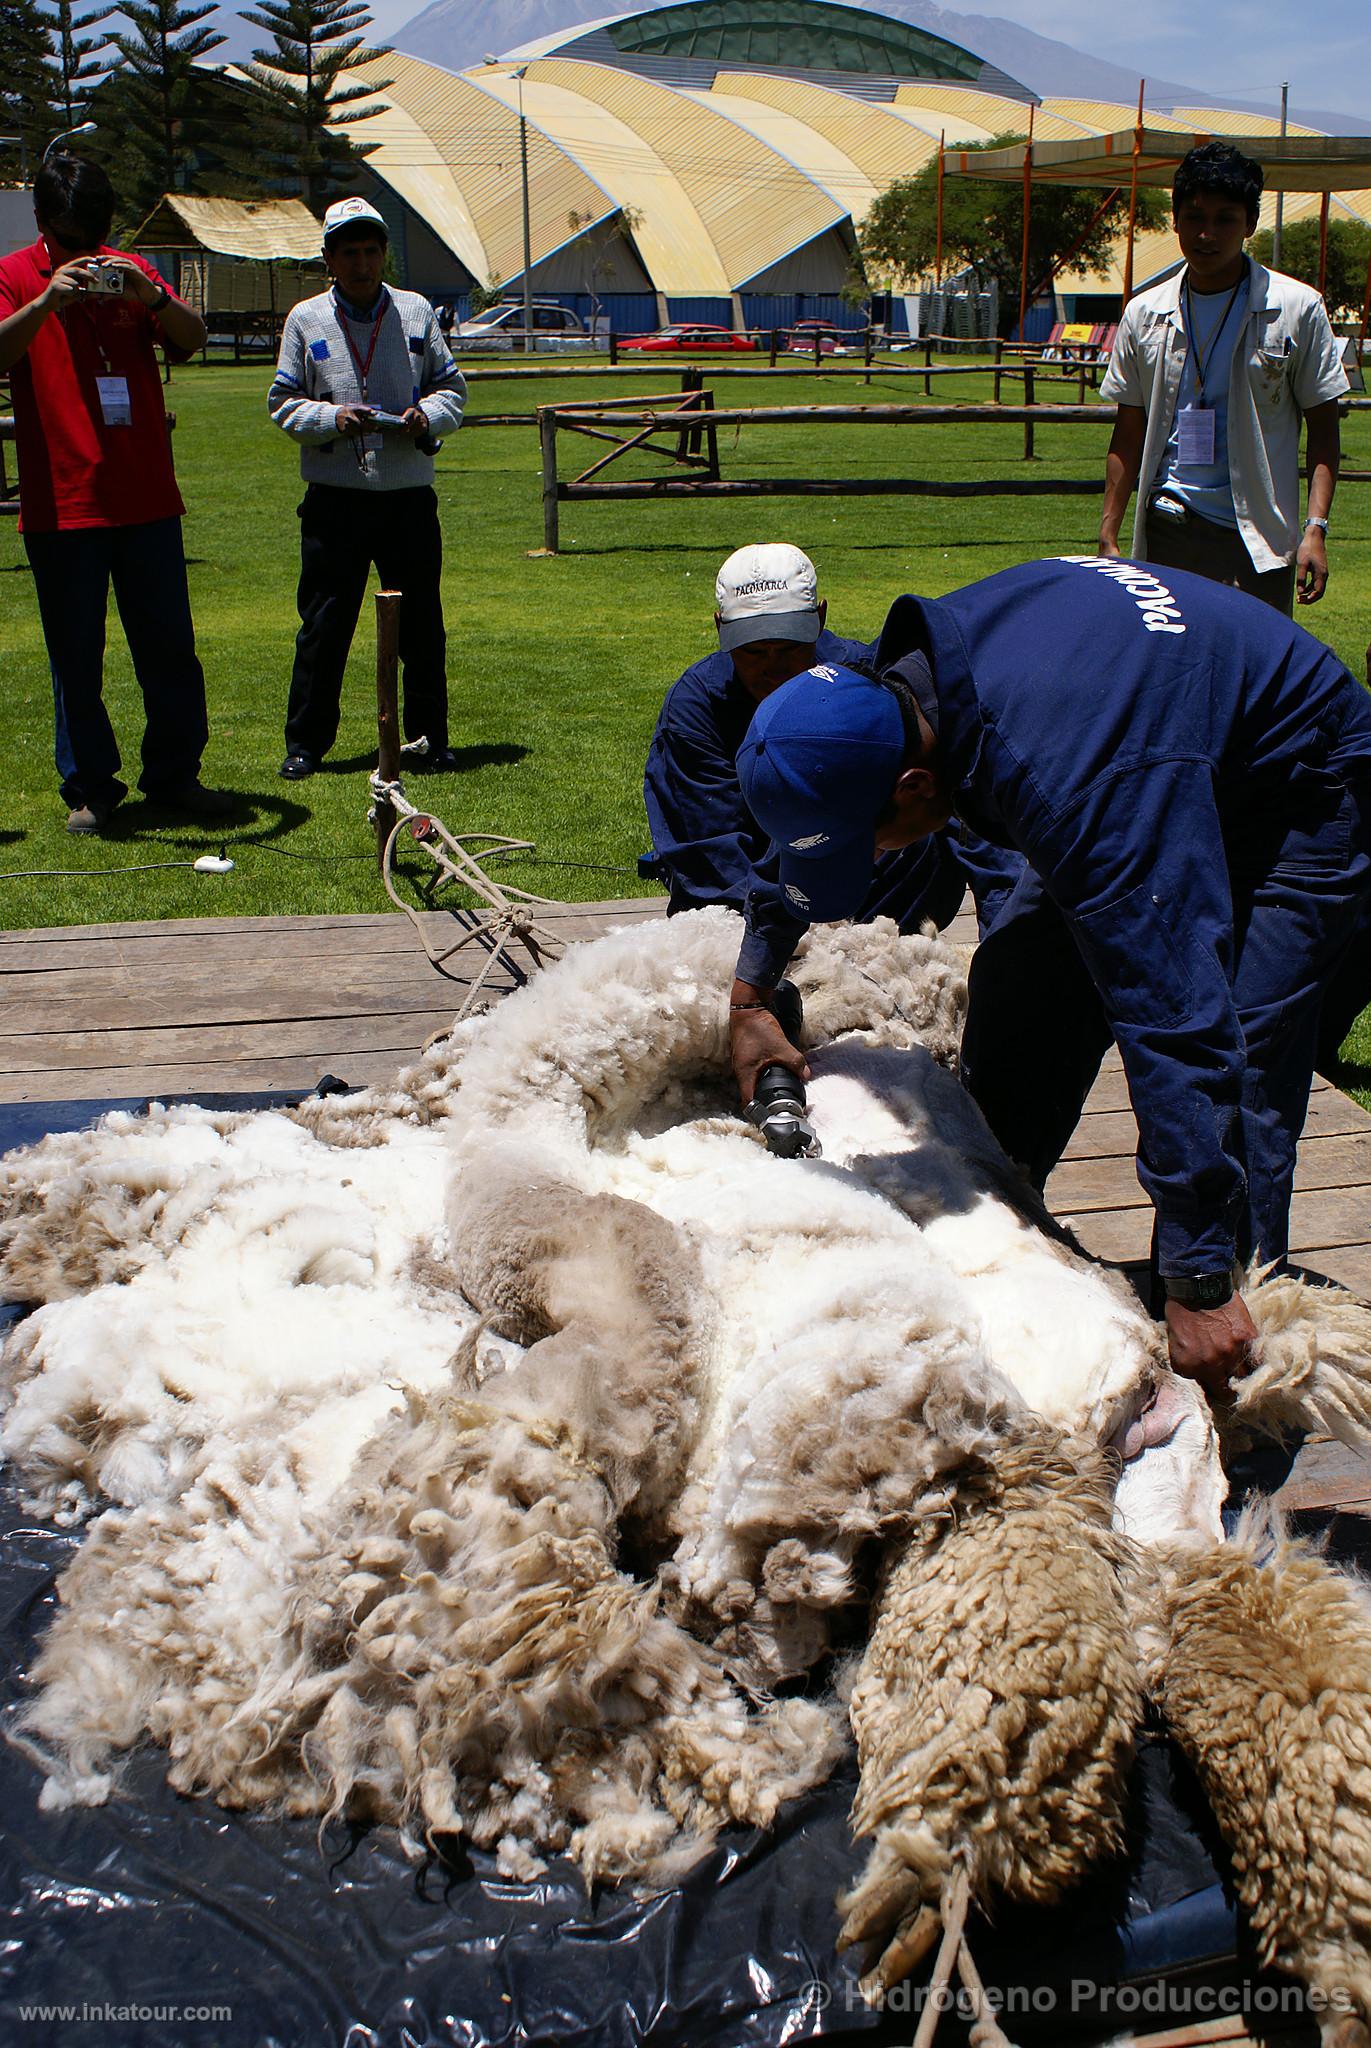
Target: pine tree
(303, 77)
(28, 90)
(156, 102)
(76, 55)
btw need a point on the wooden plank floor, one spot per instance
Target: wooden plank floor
(222, 1005)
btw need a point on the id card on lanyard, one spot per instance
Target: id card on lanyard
(1196, 423)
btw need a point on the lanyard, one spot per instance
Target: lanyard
(1192, 341)
(363, 362)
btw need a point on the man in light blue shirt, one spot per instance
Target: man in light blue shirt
(1215, 371)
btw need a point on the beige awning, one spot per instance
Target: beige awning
(262, 230)
(1291, 163)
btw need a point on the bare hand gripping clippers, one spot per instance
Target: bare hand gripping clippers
(779, 1107)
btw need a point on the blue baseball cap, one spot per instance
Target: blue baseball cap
(819, 763)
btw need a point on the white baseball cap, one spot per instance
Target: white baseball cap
(767, 592)
(346, 213)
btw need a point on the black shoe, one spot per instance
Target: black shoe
(438, 761)
(193, 800)
(83, 819)
(297, 766)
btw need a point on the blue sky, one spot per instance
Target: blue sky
(1228, 46)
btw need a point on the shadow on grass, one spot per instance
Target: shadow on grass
(141, 817)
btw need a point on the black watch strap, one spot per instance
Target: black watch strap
(1199, 1290)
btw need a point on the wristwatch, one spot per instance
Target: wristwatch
(1199, 1290)
(1317, 522)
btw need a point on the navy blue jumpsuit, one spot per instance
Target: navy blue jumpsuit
(1188, 776)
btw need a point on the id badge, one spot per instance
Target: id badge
(115, 407)
(1195, 436)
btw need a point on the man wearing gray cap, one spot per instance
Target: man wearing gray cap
(707, 847)
(367, 385)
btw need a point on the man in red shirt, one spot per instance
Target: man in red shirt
(79, 327)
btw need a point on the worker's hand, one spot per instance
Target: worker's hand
(1109, 547)
(1212, 1346)
(137, 284)
(1311, 566)
(756, 1041)
(415, 421)
(353, 419)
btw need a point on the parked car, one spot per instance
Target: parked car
(689, 338)
(502, 328)
(833, 341)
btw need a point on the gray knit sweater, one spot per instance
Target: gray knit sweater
(411, 364)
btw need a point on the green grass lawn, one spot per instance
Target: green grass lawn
(557, 666)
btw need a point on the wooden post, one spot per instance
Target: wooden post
(613, 347)
(687, 441)
(387, 709)
(1323, 242)
(928, 364)
(1133, 195)
(775, 345)
(818, 348)
(999, 357)
(711, 439)
(1027, 200)
(547, 437)
(1028, 401)
(1080, 395)
(1365, 309)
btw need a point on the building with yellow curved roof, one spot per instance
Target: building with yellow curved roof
(711, 159)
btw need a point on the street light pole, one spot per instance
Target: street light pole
(528, 244)
(1280, 196)
(85, 128)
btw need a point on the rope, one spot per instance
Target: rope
(508, 916)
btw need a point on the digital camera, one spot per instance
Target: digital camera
(107, 278)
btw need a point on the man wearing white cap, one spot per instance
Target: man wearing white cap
(707, 846)
(367, 385)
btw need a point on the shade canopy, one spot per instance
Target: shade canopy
(1291, 163)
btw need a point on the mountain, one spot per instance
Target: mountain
(455, 33)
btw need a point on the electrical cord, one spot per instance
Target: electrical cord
(145, 867)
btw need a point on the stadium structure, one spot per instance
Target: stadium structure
(713, 160)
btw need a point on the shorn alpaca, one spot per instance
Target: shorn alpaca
(368, 1408)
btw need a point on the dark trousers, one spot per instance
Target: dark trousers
(72, 573)
(1218, 553)
(341, 534)
(1036, 1029)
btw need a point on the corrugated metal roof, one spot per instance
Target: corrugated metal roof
(263, 230)
(967, 115)
(450, 148)
(877, 139)
(830, 166)
(676, 246)
(1292, 163)
(755, 205)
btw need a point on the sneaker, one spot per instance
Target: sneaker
(437, 761)
(194, 800)
(297, 766)
(87, 818)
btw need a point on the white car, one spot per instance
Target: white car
(502, 328)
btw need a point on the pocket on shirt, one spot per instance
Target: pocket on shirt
(1267, 369)
(1135, 961)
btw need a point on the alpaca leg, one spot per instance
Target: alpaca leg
(995, 1711)
(1262, 1665)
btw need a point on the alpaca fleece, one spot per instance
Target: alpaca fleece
(478, 1453)
(1286, 1765)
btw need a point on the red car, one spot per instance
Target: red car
(688, 338)
(833, 341)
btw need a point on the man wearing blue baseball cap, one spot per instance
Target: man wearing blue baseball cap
(1188, 777)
